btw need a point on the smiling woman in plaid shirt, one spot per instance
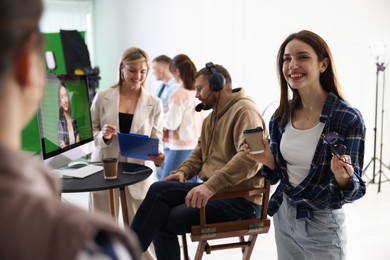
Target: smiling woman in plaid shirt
(316, 153)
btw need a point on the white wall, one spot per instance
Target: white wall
(65, 14)
(244, 36)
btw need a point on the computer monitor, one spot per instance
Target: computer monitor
(64, 120)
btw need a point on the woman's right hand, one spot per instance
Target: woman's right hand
(108, 131)
(266, 158)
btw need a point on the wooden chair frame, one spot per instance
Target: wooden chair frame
(249, 228)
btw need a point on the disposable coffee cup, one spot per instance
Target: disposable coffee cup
(254, 137)
(110, 168)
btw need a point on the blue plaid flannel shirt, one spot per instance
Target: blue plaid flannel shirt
(319, 190)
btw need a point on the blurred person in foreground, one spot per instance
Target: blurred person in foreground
(34, 223)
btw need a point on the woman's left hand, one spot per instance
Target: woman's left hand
(342, 169)
(341, 166)
(157, 159)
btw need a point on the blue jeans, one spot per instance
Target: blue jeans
(163, 215)
(320, 236)
(173, 160)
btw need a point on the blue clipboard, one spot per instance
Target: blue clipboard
(137, 146)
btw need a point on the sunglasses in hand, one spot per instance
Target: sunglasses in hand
(338, 150)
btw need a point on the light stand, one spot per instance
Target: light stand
(380, 172)
(381, 66)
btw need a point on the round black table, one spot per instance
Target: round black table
(96, 182)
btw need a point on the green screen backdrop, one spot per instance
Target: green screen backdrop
(30, 135)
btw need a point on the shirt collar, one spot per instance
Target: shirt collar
(327, 110)
(329, 107)
(170, 82)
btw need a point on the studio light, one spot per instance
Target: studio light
(378, 52)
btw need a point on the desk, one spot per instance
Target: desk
(96, 182)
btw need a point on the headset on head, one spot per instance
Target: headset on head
(216, 79)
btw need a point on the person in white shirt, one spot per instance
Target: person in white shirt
(160, 67)
(182, 122)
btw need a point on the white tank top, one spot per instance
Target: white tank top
(72, 139)
(297, 148)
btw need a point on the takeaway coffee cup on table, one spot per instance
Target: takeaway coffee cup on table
(254, 137)
(110, 168)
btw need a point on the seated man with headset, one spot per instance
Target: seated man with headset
(171, 206)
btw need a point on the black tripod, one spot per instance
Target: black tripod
(380, 66)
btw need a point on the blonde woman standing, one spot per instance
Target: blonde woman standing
(125, 107)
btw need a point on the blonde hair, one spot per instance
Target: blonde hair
(133, 54)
